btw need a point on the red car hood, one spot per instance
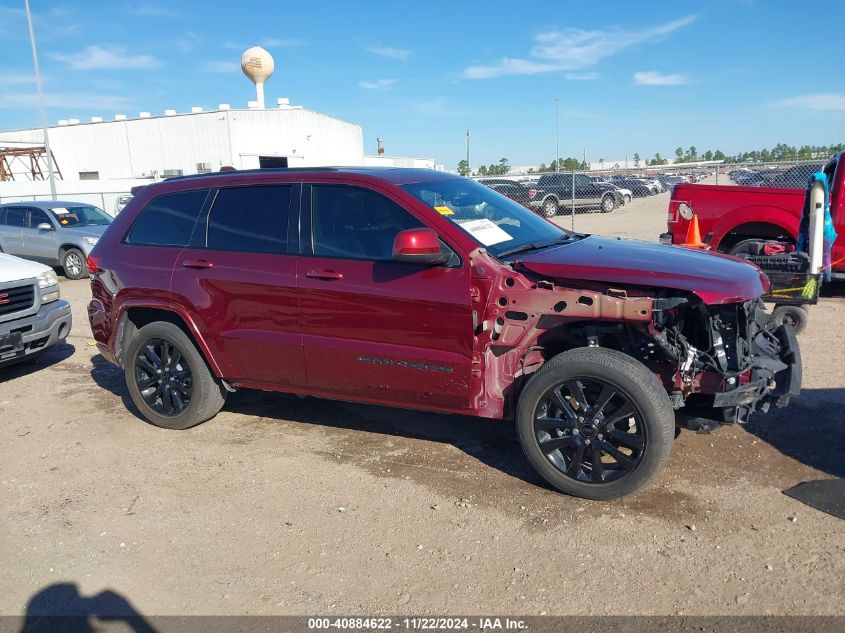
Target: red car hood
(714, 277)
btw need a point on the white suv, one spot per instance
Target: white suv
(33, 317)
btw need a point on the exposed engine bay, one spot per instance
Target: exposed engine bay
(719, 362)
(753, 358)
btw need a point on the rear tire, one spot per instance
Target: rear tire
(626, 417)
(794, 316)
(608, 204)
(73, 263)
(169, 380)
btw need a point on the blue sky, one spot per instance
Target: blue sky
(630, 77)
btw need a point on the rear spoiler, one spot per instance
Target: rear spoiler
(136, 190)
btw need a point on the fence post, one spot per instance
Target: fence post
(102, 201)
(718, 169)
(572, 210)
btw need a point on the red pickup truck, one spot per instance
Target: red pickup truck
(740, 220)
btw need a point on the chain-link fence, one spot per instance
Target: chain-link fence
(571, 192)
(112, 202)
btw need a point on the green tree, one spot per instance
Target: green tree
(708, 155)
(718, 155)
(601, 163)
(542, 168)
(636, 159)
(463, 168)
(482, 171)
(679, 154)
(503, 166)
(572, 164)
(692, 154)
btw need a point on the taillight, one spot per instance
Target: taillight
(93, 264)
(532, 193)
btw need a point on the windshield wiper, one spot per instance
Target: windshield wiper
(532, 246)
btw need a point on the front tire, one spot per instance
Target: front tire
(608, 204)
(595, 423)
(73, 263)
(168, 379)
(550, 207)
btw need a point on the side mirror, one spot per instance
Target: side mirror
(44, 226)
(420, 246)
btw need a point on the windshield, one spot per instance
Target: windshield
(80, 215)
(498, 223)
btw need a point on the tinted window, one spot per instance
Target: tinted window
(168, 220)
(36, 217)
(356, 223)
(15, 217)
(250, 219)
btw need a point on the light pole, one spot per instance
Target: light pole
(469, 171)
(41, 110)
(557, 134)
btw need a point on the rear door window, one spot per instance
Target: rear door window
(14, 216)
(168, 219)
(250, 219)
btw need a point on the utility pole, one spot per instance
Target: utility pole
(469, 171)
(557, 134)
(41, 109)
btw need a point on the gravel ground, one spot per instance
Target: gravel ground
(283, 505)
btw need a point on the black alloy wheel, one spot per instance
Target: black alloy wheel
(590, 431)
(595, 423)
(163, 378)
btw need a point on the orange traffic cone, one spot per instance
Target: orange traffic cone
(693, 239)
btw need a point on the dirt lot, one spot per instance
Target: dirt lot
(294, 506)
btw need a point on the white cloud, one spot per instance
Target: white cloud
(152, 10)
(655, 78)
(378, 84)
(100, 57)
(387, 51)
(221, 66)
(66, 100)
(16, 79)
(825, 101)
(574, 49)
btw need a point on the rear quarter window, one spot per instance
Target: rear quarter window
(168, 219)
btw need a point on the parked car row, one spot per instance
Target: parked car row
(794, 177)
(553, 192)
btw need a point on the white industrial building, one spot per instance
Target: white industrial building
(174, 144)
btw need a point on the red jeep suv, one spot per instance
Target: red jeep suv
(416, 288)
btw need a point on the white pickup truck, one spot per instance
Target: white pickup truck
(33, 317)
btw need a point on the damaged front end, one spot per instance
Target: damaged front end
(728, 360)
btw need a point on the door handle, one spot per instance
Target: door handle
(197, 263)
(324, 274)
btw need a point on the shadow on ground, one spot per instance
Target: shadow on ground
(61, 608)
(810, 430)
(50, 356)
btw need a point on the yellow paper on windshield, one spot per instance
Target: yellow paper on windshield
(444, 210)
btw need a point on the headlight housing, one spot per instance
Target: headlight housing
(91, 241)
(47, 278)
(48, 282)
